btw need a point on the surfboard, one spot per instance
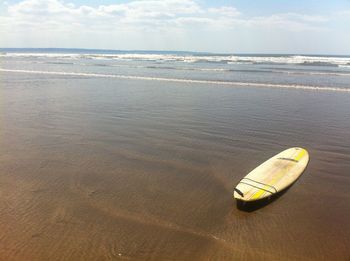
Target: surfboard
(272, 176)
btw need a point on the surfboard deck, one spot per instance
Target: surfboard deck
(272, 176)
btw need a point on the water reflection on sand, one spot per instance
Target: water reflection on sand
(102, 169)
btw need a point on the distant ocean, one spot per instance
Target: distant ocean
(261, 70)
(110, 155)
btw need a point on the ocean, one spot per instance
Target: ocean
(109, 155)
(280, 71)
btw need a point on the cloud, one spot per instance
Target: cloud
(150, 14)
(290, 21)
(345, 13)
(136, 13)
(147, 24)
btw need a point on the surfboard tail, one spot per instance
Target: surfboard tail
(239, 192)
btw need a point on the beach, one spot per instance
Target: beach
(108, 156)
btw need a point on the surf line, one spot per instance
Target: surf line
(148, 78)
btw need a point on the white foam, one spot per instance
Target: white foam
(147, 78)
(230, 59)
(294, 59)
(41, 55)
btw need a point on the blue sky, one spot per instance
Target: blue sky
(241, 26)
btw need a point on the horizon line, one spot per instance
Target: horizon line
(166, 51)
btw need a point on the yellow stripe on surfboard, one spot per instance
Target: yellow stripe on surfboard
(300, 155)
(260, 192)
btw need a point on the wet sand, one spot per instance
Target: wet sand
(106, 169)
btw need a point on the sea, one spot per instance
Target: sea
(113, 155)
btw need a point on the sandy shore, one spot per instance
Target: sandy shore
(140, 170)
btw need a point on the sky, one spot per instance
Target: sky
(221, 26)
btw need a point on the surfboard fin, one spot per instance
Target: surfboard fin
(239, 192)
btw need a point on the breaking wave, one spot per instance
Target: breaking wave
(179, 80)
(333, 61)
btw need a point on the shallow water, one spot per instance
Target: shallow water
(95, 168)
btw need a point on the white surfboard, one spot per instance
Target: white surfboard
(273, 175)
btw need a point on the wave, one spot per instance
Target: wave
(345, 66)
(223, 70)
(201, 69)
(294, 59)
(60, 63)
(179, 80)
(310, 73)
(335, 61)
(186, 68)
